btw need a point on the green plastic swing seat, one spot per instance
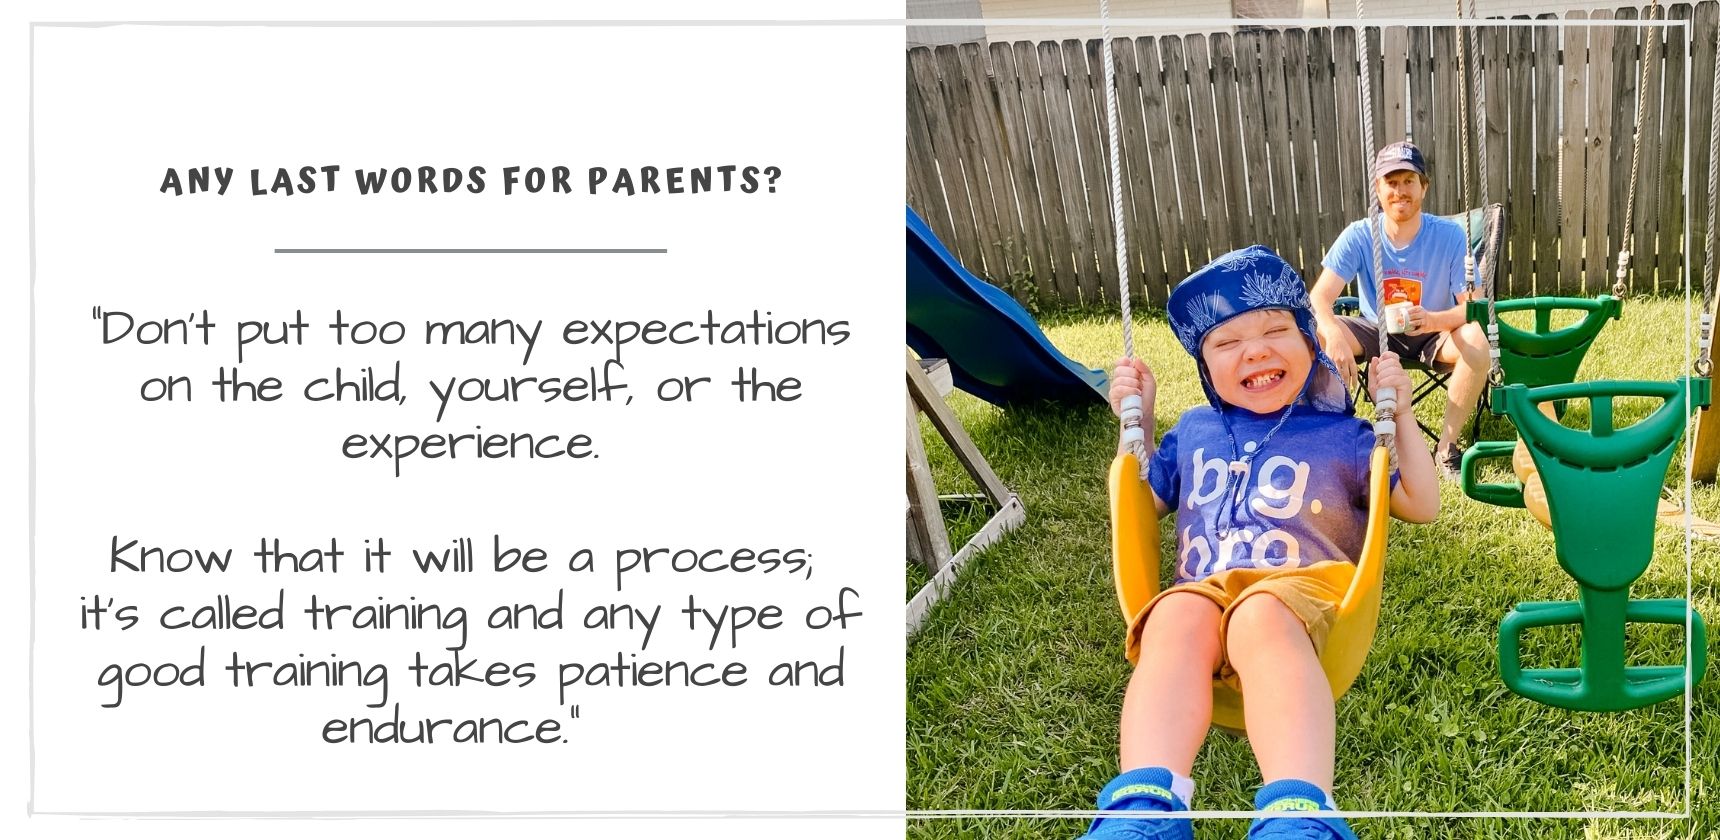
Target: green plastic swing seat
(1602, 486)
(1543, 355)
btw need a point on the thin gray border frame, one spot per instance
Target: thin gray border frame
(30, 809)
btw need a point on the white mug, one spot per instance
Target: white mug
(1397, 317)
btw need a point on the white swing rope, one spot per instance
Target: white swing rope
(1464, 50)
(1134, 437)
(1385, 400)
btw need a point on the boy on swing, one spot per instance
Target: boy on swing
(1269, 486)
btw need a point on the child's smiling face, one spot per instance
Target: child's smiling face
(1258, 360)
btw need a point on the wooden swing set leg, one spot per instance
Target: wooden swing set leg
(928, 540)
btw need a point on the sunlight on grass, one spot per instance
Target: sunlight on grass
(1015, 682)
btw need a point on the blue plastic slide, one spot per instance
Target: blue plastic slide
(995, 350)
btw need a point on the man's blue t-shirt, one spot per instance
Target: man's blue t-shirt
(1428, 271)
(1301, 500)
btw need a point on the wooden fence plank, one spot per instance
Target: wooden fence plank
(1060, 146)
(1394, 86)
(1443, 145)
(1421, 126)
(1059, 266)
(1303, 156)
(1164, 172)
(970, 137)
(1572, 156)
(1549, 88)
(964, 239)
(1055, 87)
(1145, 247)
(1286, 225)
(977, 75)
(1668, 210)
(1626, 73)
(1214, 201)
(967, 172)
(1177, 113)
(1233, 152)
(1494, 123)
(923, 166)
(1085, 78)
(1351, 163)
(1032, 249)
(1327, 181)
(1599, 251)
(1515, 278)
(1251, 107)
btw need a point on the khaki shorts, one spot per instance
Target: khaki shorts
(1312, 593)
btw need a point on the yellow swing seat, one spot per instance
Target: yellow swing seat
(1135, 568)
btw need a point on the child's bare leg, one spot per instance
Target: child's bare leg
(1168, 707)
(1292, 725)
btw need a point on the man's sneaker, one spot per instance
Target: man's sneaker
(1296, 796)
(1450, 463)
(1143, 790)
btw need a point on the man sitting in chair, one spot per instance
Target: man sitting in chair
(1422, 257)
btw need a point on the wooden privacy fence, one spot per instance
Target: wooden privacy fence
(1255, 137)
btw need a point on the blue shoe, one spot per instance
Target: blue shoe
(1145, 789)
(1288, 795)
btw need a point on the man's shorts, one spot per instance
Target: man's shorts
(1424, 347)
(1312, 593)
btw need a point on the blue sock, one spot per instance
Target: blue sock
(1144, 789)
(1293, 795)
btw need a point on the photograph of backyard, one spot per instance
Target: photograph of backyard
(1531, 672)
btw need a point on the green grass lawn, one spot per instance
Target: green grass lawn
(1015, 681)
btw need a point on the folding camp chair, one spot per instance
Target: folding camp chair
(1486, 226)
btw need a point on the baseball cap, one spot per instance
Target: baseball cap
(1399, 155)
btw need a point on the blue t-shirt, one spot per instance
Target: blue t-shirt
(1428, 271)
(1303, 498)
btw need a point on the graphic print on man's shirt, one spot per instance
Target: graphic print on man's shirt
(1403, 289)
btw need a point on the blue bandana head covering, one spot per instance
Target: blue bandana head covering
(1242, 281)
